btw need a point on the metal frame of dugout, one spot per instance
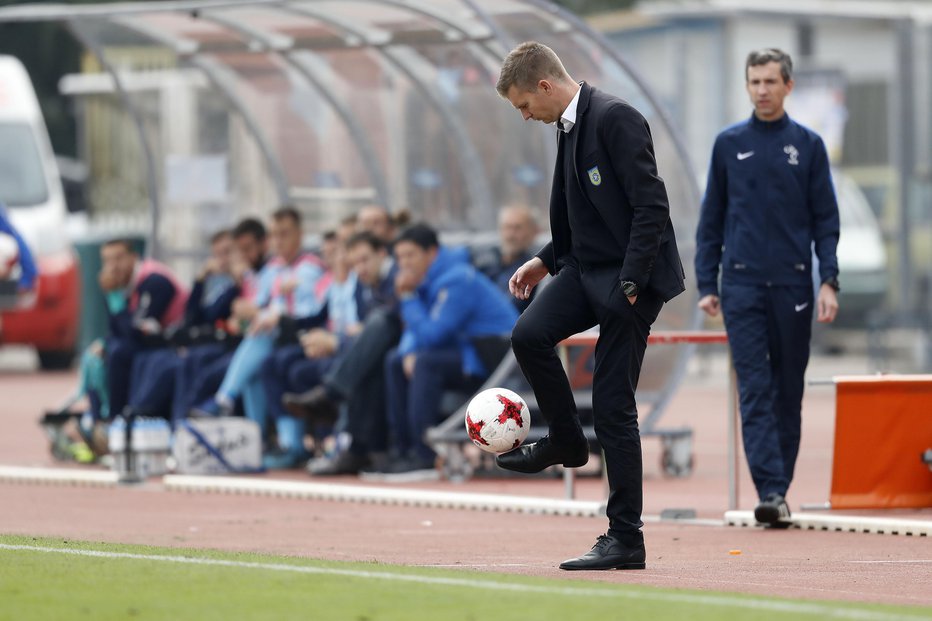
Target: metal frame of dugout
(257, 63)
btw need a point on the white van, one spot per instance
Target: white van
(32, 192)
(862, 256)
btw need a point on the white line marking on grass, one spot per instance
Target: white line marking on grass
(478, 565)
(923, 560)
(825, 610)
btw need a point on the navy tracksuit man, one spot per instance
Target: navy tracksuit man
(769, 201)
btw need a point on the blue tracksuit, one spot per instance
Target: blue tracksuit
(163, 379)
(768, 204)
(454, 305)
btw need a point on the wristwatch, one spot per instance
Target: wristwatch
(833, 283)
(629, 288)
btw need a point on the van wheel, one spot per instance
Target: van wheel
(56, 360)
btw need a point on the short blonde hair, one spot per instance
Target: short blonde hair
(526, 65)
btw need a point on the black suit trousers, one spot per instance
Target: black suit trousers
(359, 377)
(575, 300)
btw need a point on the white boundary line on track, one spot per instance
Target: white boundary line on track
(382, 495)
(401, 496)
(823, 610)
(842, 523)
(60, 476)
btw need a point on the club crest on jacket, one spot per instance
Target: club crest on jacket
(594, 175)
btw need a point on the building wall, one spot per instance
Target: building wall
(693, 55)
(695, 64)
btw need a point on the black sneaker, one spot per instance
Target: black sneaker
(407, 469)
(315, 405)
(345, 462)
(210, 408)
(773, 512)
(380, 463)
(413, 470)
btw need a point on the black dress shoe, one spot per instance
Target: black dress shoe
(608, 553)
(535, 457)
(314, 404)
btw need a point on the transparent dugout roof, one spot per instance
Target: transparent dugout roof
(237, 107)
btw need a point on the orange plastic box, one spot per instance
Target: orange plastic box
(883, 423)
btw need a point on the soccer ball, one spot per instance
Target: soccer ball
(497, 420)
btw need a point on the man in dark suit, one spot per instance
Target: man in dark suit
(615, 262)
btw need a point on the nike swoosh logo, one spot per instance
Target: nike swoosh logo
(800, 307)
(744, 156)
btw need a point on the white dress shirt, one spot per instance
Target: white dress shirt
(568, 118)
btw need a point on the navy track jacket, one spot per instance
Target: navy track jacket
(769, 197)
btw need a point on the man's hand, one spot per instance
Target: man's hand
(318, 343)
(407, 363)
(828, 304)
(710, 305)
(107, 281)
(211, 266)
(265, 322)
(526, 278)
(405, 282)
(244, 310)
(288, 285)
(239, 268)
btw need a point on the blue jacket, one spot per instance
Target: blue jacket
(769, 198)
(211, 300)
(28, 270)
(454, 304)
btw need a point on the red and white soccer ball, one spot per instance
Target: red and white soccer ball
(497, 420)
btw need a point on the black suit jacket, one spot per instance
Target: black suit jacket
(630, 196)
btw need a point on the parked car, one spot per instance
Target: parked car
(862, 257)
(30, 187)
